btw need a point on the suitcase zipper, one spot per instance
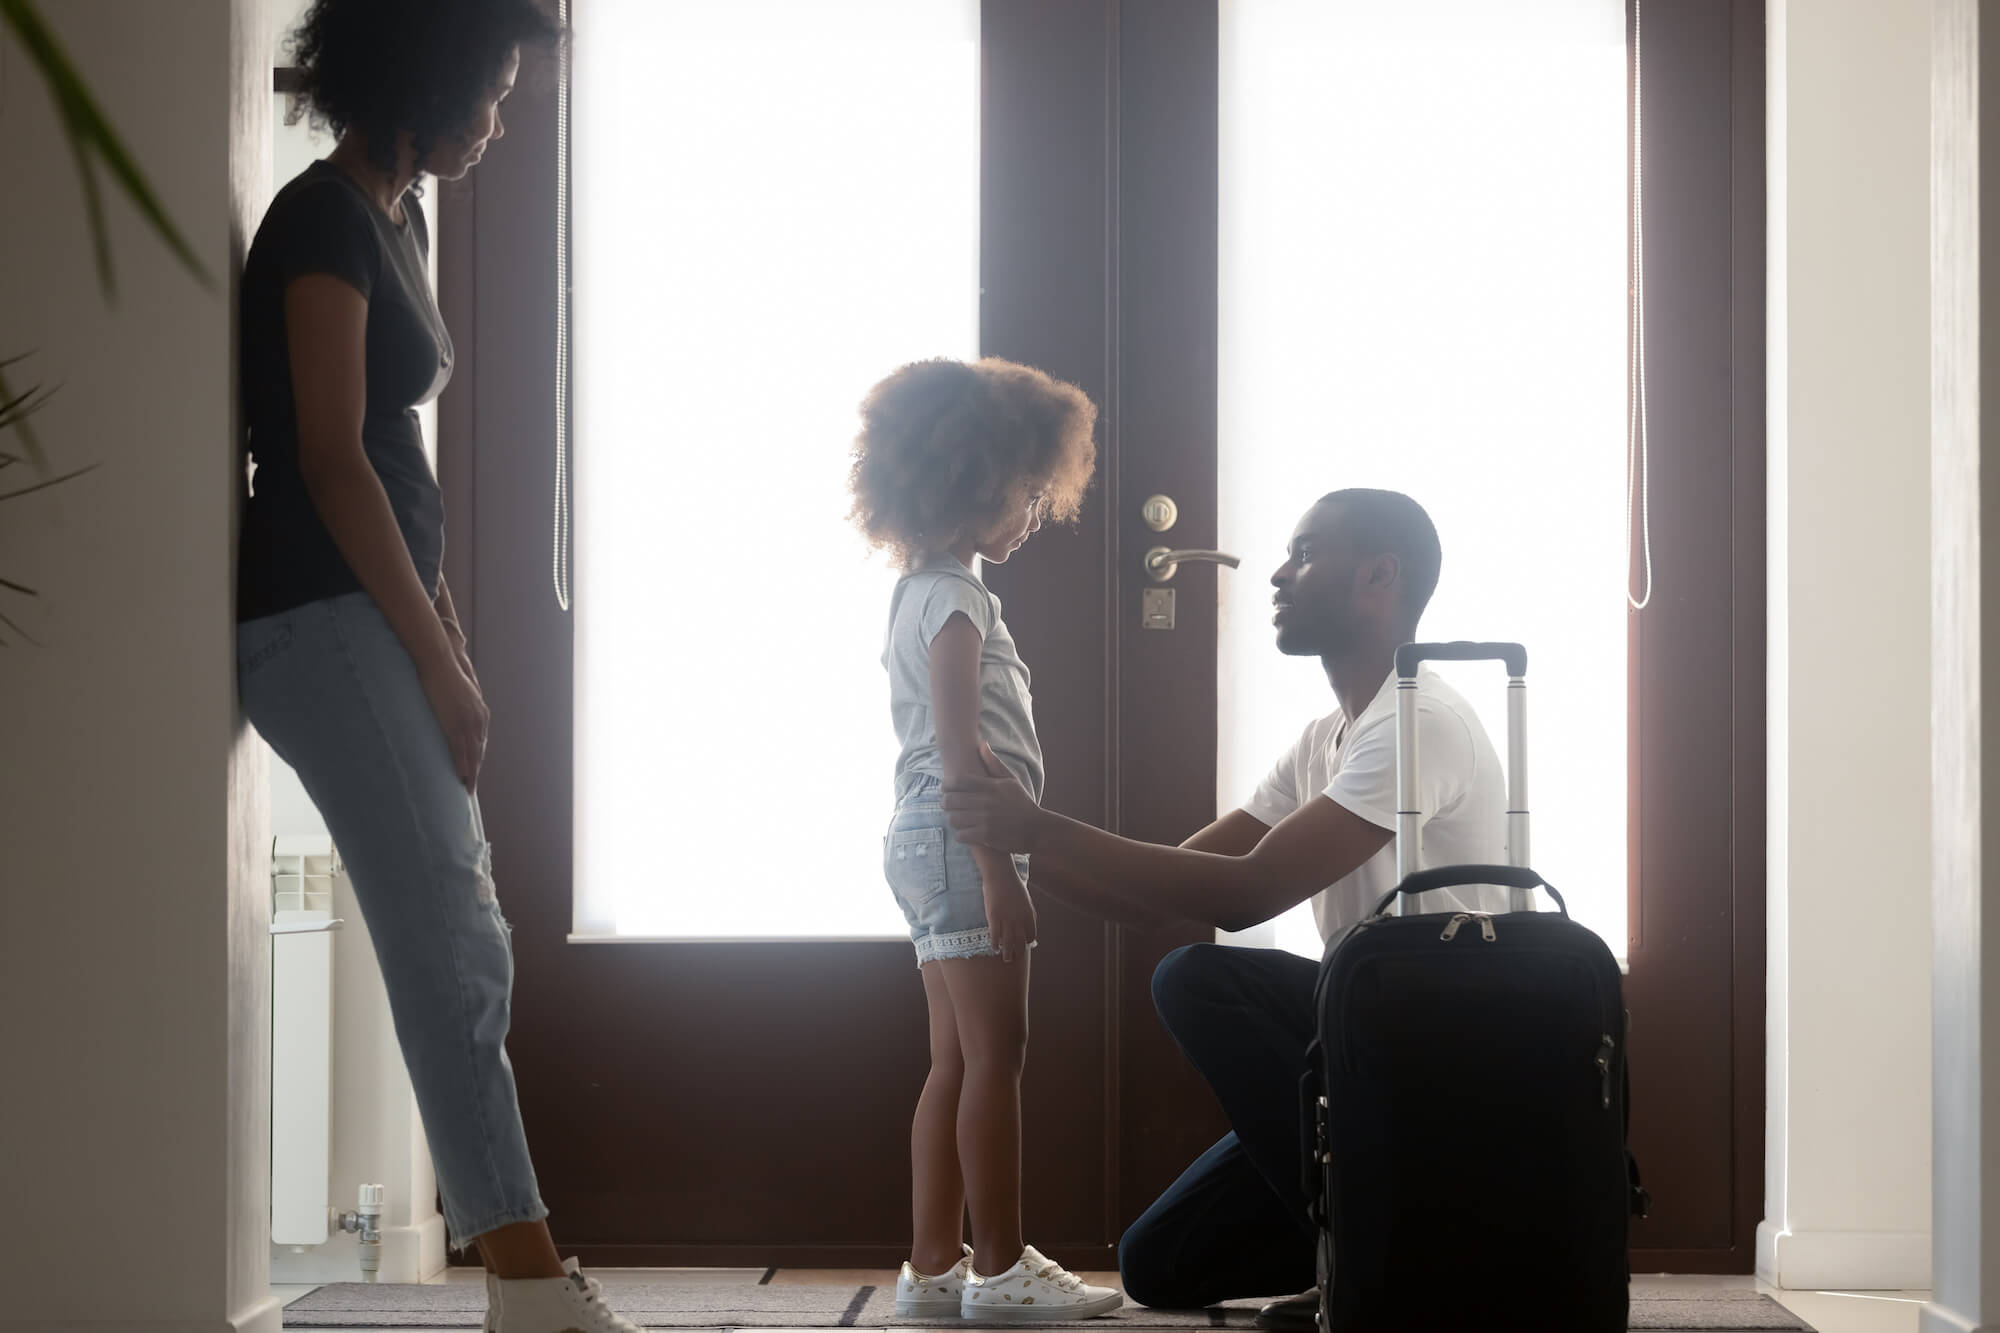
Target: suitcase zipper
(1606, 1045)
(1485, 920)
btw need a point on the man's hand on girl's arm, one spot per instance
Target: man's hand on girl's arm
(994, 810)
(1309, 849)
(999, 806)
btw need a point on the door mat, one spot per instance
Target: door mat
(664, 1303)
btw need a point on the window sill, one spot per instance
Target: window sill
(578, 938)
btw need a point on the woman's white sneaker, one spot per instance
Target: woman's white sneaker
(921, 1294)
(569, 1304)
(1033, 1290)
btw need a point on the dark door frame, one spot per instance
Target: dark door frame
(1697, 653)
(1124, 72)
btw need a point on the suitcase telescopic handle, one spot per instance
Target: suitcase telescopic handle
(1409, 819)
(1411, 655)
(1519, 878)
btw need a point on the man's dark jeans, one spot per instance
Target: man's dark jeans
(1235, 1223)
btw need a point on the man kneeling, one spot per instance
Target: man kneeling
(1359, 571)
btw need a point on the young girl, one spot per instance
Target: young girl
(957, 462)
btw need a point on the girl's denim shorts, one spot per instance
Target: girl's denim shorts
(935, 879)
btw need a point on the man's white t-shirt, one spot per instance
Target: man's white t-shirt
(1462, 791)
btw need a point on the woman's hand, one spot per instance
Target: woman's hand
(461, 710)
(1010, 915)
(993, 811)
(459, 649)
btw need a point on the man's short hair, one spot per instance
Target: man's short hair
(1391, 523)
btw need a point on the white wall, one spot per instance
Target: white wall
(134, 1002)
(1848, 1157)
(1965, 650)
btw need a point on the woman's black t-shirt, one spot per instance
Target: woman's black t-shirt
(322, 222)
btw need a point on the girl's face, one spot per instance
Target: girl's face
(1008, 534)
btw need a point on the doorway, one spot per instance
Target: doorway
(746, 1101)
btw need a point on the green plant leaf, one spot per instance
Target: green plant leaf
(20, 405)
(90, 132)
(14, 414)
(44, 485)
(18, 630)
(93, 208)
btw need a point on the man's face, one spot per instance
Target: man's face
(1324, 595)
(1314, 594)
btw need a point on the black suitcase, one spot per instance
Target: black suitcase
(1465, 1101)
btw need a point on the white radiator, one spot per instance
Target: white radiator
(302, 871)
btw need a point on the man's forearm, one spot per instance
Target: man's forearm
(994, 867)
(1174, 883)
(1094, 898)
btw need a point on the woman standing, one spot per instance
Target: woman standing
(351, 663)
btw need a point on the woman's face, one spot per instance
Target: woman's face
(454, 157)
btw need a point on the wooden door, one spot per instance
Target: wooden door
(1098, 235)
(749, 1103)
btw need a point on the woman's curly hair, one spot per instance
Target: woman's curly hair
(947, 447)
(388, 66)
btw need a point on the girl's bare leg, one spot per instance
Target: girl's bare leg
(937, 1202)
(990, 999)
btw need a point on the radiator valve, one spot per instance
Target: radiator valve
(366, 1222)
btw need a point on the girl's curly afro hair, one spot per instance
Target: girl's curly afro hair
(384, 67)
(948, 447)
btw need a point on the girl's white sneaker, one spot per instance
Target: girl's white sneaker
(1034, 1290)
(921, 1294)
(569, 1304)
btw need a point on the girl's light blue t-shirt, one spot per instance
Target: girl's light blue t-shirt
(923, 601)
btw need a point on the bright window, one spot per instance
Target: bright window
(775, 203)
(1422, 288)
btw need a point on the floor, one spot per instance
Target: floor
(1826, 1311)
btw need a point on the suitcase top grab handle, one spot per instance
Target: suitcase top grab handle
(1410, 655)
(1409, 818)
(1446, 877)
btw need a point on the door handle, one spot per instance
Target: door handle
(1160, 562)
